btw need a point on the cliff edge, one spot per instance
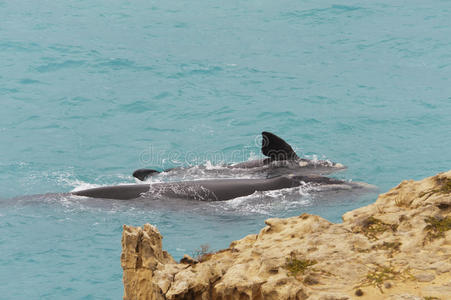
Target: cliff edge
(397, 248)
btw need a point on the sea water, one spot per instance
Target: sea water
(91, 90)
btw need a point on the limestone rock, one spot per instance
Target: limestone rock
(397, 248)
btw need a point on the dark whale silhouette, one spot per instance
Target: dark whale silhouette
(279, 155)
(213, 189)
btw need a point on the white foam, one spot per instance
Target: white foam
(303, 163)
(81, 185)
(209, 166)
(253, 156)
(266, 202)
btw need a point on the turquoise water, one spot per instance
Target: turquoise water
(91, 90)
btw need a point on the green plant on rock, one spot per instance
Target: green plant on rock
(296, 266)
(437, 226)
(378, 276)
(372, 227)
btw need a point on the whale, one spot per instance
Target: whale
(214, 189)
(279, 155)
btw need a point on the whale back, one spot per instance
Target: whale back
(119, 192)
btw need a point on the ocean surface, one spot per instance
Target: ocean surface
(92, 90)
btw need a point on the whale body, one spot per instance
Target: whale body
(279, 155)
(210, 190)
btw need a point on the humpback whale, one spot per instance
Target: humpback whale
(212, 189)
(279, 154)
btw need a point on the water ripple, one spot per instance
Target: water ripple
(52, 67)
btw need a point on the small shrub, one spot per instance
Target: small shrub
(381, 274)
(296, 266)
(445, 185)
(202, 253)
(437, 226)
(372, 227)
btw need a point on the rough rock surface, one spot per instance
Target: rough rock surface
(397, 248)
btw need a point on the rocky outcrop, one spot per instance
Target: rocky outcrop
(397, 248)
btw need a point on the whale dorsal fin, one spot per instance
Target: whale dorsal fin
(276, 148)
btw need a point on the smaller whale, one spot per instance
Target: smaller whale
(279, 155)
(213, 189)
